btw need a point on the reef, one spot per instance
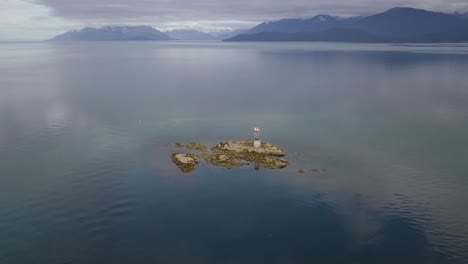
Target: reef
(231, 154)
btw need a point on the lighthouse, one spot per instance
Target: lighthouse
(257, 143)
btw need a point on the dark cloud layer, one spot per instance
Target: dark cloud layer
(242, 10)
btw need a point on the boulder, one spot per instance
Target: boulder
(185, 162)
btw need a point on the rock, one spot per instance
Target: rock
(222, 160)
(272, 162)
(242, 152)
(247, 146)
(185, 162)
(231, 154)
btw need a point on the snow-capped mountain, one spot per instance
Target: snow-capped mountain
(113, 33)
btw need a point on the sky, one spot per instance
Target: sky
(43, 19)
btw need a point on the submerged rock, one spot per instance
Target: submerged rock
(192, 146)
(320, 171)
(185, 162)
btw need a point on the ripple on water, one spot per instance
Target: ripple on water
(417, 201)
(81, 202)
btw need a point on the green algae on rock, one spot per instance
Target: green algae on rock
(233, 154)
(192, 146)
(186, 162)
(223, 160)
(241, 146)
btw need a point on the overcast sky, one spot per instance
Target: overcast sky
(42, 19)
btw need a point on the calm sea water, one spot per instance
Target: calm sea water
(86, 134)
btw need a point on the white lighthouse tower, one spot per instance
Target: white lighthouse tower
(257, 143)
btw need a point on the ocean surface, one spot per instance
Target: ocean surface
(87, 131)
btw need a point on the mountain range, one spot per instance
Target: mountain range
(190, 34)
(140, 33)
(395, 25)
(113, 33)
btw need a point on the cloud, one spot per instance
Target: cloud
(22, 20)
(249, 10)
(210, 15)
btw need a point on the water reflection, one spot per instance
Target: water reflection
(256, 167)
(85, 130)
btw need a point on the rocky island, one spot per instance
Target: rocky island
(230, 155)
